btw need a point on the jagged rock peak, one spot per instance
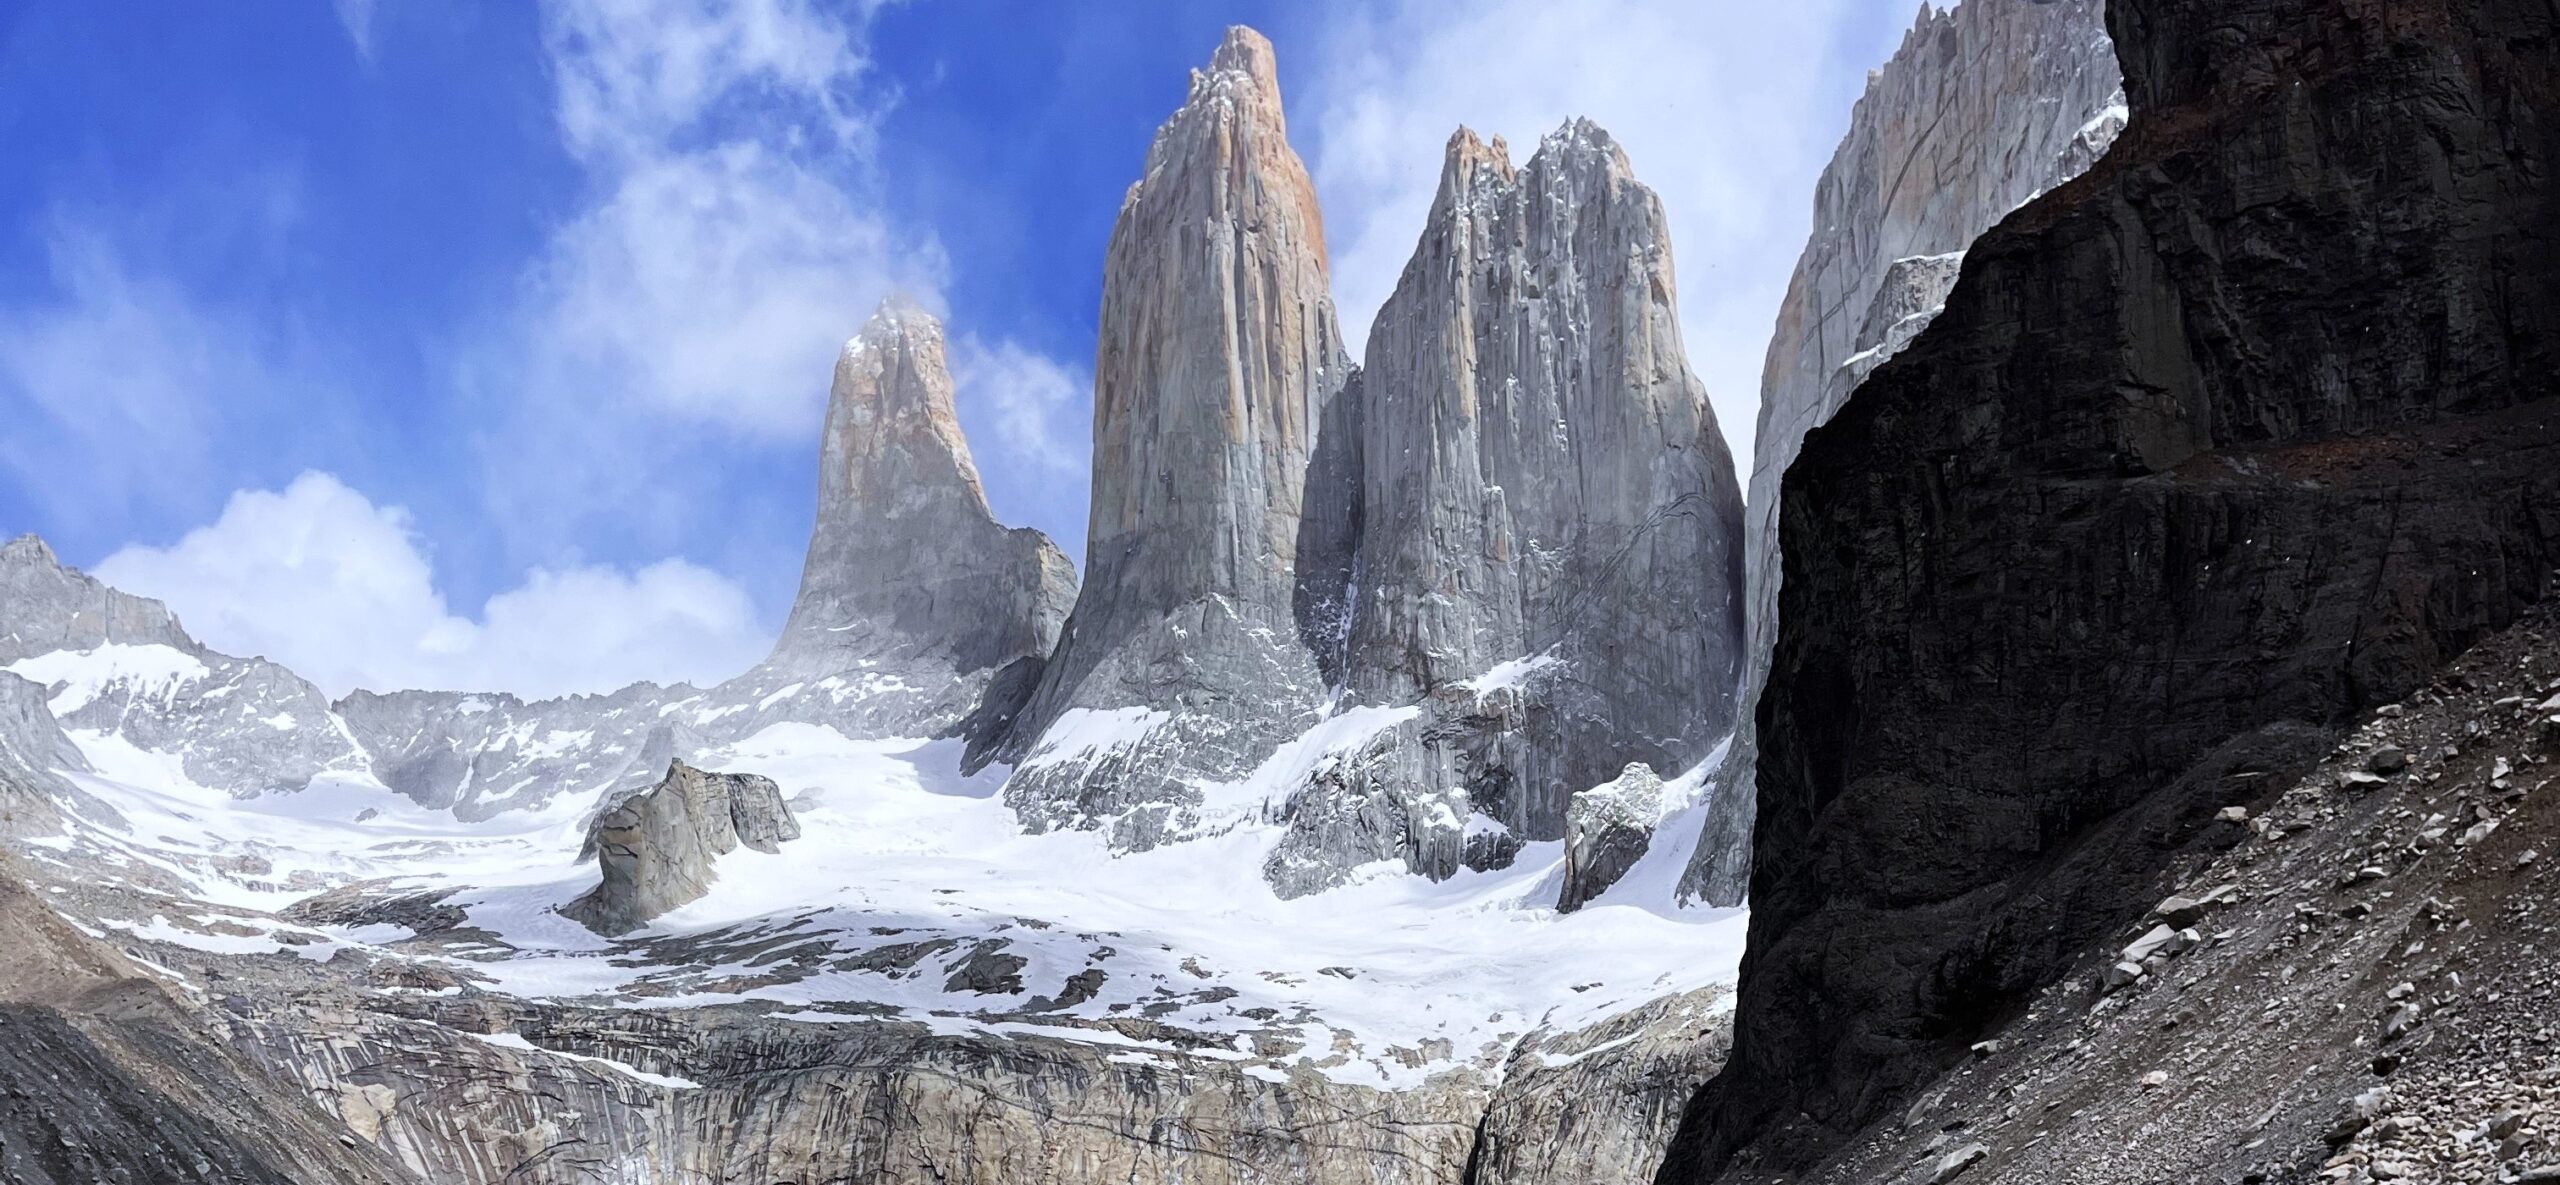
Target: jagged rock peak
(1218, 359)
(892, 432)
(1549, 534)
(49, 606)
(1243, 68)
(906, 559)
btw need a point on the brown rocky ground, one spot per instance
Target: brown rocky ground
(2371, 993)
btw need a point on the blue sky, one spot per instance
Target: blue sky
(484, 344)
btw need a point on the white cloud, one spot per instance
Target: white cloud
(1727, 110)
(320, 579)
(356, 17)
(732, 239)
(110, 385)
(1031, 406)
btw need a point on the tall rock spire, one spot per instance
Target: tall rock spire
(1545, 492)
(913, 594)
(906, 559)
(1218, 358)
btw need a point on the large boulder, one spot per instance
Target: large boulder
(658, 848)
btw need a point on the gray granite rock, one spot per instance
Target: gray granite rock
(1549, 528)
(913, 596)
(1985, 105)
(32, 750)
(1607, 829)
(51, 607)
(657, 849)
(1219, 357)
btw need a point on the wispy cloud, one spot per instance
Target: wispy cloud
(356, 17)
(342, 591)
(110, 385)
(1029, 406)
(732, 240)
(1725, 110)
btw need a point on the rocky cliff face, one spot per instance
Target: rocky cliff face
(657, 849)
(2346, 978)
(2248, 429)
(1542, 486)
(115, 1076)
(1985, 105)
(52, 608)
(1219, 358)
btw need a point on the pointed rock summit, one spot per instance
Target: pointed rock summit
(914, 599)
(906, 559)
(1549, 527)
(1219, 357)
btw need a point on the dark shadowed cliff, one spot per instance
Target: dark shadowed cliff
(2248, 429)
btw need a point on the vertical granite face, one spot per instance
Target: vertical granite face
(2251, 428)
(913, 596)
(1543, 491)
(1984, 106)
(1219, 357)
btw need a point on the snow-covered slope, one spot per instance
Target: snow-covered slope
(444, 830)
(912, 893)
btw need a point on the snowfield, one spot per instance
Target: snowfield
(905, 872)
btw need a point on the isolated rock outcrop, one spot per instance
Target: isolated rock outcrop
(2248, 429)
(1606, 830)
(918, 614)
(1985, 105)
(1549, 530)
(1218, 357)
(657, 848)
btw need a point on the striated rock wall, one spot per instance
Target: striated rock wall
(113, 1076)
(1599, 1103)
(474, 1090)
(1985, 105)
(1542, 482)
(1219, 357)
(2248, 429)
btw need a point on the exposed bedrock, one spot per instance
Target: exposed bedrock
(113, 1076)
(913, 596)
(476, 1091)
(1985, 105)
(1549, 528)
(1218, 358)
(2246, 430)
